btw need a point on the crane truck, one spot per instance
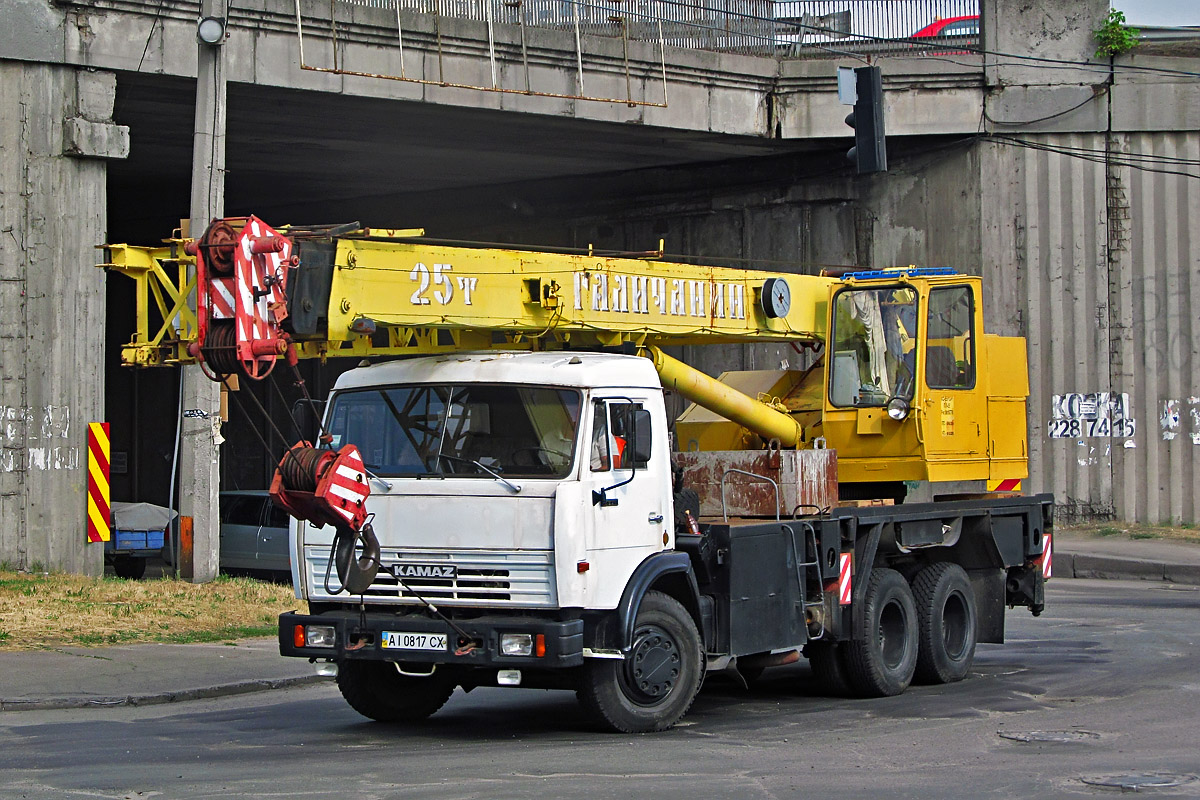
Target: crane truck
(536, 519)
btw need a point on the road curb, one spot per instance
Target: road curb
(1079, 565)
(160, 698)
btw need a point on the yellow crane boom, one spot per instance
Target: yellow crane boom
(378, 292)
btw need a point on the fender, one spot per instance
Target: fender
(649, 571)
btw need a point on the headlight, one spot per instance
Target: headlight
(897, 408)
(516, 644)
(319, 636)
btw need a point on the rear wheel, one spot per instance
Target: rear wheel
(946, 623)
(129, 567)
(882, 663)
(654, 686)
(376, 689)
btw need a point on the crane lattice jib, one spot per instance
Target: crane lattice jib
(372, 292)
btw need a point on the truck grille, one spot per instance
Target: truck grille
(484, 577)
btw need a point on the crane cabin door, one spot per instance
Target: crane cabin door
(627, 471)
(954, 408)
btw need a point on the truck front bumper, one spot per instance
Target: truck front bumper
(357, 636)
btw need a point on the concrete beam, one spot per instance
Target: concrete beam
(707, 91)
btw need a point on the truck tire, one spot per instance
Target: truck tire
(946, 623)
(827, 662)
(129, 567)
(882, 663)
(377, 690)
(655, 685)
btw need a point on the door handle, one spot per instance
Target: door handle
(655, 518)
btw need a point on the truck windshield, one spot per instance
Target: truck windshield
(423, 430)
(873, 352)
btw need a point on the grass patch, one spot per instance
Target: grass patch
(1165, 531)
(40, 611)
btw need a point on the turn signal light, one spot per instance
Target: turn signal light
(539, 645)
(298, 636)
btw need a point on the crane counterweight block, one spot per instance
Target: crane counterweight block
(323, 486)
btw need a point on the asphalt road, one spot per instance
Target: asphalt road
(1106, 685)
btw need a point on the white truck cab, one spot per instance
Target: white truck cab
(488, 464)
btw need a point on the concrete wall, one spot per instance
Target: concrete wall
(1106, 277)
(52, 317)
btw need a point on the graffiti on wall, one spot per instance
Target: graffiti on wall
(1093, 420)
(37, 439)
(1098, 415)
(1172, 420)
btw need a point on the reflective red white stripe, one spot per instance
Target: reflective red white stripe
(258, 289)
(1047, 557)
(845, 573)
(221, 297)
(346, 488)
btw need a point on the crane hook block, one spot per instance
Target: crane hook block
(323, 486)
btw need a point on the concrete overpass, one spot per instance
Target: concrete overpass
(993, 171)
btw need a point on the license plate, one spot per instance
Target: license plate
(399, 640)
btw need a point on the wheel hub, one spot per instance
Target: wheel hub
(652, 667)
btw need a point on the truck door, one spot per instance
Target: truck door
(954, 410)
(629, 485)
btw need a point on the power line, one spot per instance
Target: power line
(1136, 161)
(1046, 118)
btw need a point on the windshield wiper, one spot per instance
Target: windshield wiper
(512, 486)
(515, 488)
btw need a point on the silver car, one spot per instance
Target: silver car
(254, 533)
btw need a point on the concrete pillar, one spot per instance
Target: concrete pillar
(199, 474)
(56, 134)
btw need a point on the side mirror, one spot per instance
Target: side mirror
(641, 437)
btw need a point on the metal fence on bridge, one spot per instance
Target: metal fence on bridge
(769, 28)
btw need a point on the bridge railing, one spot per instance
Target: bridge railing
(826, 28)
(771, 28)
(810, 28)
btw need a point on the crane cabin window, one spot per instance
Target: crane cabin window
(872, 359)
(950, 341)
(463, 431)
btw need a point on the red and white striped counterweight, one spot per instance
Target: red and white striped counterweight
(242, 268)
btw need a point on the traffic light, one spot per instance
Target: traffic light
(869, 153)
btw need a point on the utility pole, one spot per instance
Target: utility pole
(199, 456)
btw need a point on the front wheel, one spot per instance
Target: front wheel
(377, 690)
(827, 661)
(946, 621)
(654, 685)
(882, 662)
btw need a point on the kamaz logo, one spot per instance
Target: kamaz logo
(425, 571)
